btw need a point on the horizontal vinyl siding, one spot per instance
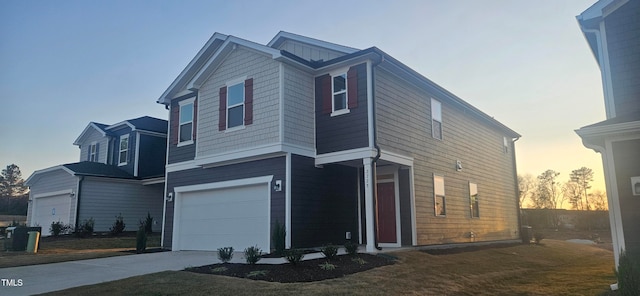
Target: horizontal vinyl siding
(103, 199)
(323, 203)
(58, 180)
(298, 108)
(272, 166)
(404, 127)
(265, 126)
(103, 146)
(185, 152)
(627, 165)
(309, 52)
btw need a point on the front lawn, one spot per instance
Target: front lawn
(554, 268)
(70, 248)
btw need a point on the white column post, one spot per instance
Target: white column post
(368, 203)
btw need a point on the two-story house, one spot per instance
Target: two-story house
(333, 142)
(120, 172)
(612, 30)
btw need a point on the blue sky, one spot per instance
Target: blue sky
(66, 63)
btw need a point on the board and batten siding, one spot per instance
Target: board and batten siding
(309, 52)
(103, 146)
(299, 125)
(151, 156)
(103, 199)
(240, 63)
(53, 181)
(272, 166)
(627, 164)
(404, 127)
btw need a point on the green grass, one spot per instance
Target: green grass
(554, 268)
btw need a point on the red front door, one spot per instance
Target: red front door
(386, 213)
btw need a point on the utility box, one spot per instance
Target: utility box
(527, 234)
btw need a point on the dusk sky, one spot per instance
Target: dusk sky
(64, 64)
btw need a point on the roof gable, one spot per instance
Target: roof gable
(144, 123)
(99, 127)
(283, 37)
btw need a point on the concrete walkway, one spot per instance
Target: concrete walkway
(35, 279)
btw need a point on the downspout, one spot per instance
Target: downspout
(377, 157)
(515, 176)
(80, 179)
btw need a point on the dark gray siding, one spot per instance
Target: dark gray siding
(129, 167)
(623, 44)
(152, 156)
(184, 153)
(347, 131)
(626, 156)
(272, 166)
(323, 203)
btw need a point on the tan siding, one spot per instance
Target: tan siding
(298, 108)
(309, 52)
(466, 138)
(264, 130)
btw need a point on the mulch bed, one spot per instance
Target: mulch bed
(305, 271)
(457, 250)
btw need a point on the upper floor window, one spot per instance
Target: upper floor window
(93, 152)
(505, 144)
(123, 154)
(440, 202)
(436, 119)
(339, 91)
(473, 200)
(236, 104)
(185, 130)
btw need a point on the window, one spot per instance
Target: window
(473, 200)
(505, 144)
(439, 197)
(124, 150)
(339, 91)
(436, 119)
(185, 130)
(235, 105)
(93, 152)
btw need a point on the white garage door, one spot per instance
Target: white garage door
(235, 217)
(51, 209)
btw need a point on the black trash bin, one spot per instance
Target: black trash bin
(20, 237)
(527, 234)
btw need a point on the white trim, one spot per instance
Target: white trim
(276, 148)
(124, 123)
(93, 150)
(122, 137)
(283, 36)
(281, 101)
(287, 201)
(152, 181)
(606, 73)
(610, 130)
(166, 176)
(435, 195)
(340, 112)
(212, 186)
(359, 209)
(345, 110)
(183, 103)
(47, 170)
(53, 193)
(86, 129)
(181, 166)
(414, 227)
(396, 189)
(396, 158)
(34, 205)
(135, 161)
(615, 212)
(369, 188)
(345, 155)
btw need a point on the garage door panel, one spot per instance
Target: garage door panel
(235, 217)
(51, 209)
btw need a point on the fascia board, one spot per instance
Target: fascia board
(35, 174)
(86, 129)
(283, 36)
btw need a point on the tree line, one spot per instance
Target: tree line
(547, 191)
(14, 194)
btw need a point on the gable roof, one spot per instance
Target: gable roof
(144, 123)
(590, 19)
(283, 36)
(99, 127)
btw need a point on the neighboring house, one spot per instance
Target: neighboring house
(121, 171)
(332, 142)
(612, 30)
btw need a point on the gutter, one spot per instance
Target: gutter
(377, 147)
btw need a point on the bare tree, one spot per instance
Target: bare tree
(599, 200)
(526, 188)
(547, 194)
(581, 178)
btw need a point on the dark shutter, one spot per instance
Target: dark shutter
(352, 87)
(222, 122)
(175, 123)
(195, 118)
(248, 101)
(326, 93)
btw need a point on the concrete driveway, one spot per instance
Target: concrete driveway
(35, 279)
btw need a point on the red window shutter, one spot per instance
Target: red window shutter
(326, 93)
(175, 123)
(195, 118)
(352, 87)
(222, 122)
(248, 101)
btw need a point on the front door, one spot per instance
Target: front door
(387, 213)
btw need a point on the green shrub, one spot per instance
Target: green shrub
(141, 240)
(359, 260)
(225, 254)
(278, 237)
(148, 223)
(351, 248)
(327, 266)
(329, 251)
(252, 254)
(118, 226)
(85, 228)
(58, 228)
(628, 274)
(294, 256)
